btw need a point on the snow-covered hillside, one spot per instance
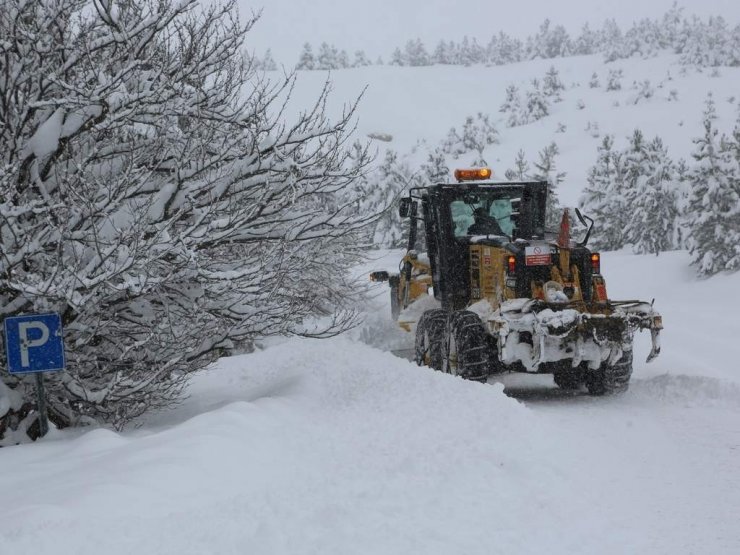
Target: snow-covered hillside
(422, 104)
(335, 446)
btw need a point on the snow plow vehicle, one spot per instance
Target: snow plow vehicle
(496, 292)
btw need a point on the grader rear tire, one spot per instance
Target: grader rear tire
(611, 379)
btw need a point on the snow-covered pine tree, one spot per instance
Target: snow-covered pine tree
(537, 106)
(306, 60)
(392, 180)
(512, 107)
(268, 62)
(503, 49)
(415, 53)
(546, 170)
(342, 59)
(603, 198)
(594, 81)
(441, 54)
(614, 80)
(611, 41)
(550, 42)
(397, 58)
(327, 57)
(652, 201)
(476, 135)
(520, 171)
(361, 60)
(150, 195)
(683, 193)
(586, 43)
(714, 205)
(670, 27)
(552, 86)
(435, 169)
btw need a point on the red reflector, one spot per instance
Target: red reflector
(511, 263)
(596, 263)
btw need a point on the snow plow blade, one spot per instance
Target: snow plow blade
(534, 331)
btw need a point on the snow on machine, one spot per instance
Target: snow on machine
(496, 292)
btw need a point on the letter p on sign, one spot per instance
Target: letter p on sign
(34, 343)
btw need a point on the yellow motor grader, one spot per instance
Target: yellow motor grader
(496, 292)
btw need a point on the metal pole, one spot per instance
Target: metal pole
(43, 418)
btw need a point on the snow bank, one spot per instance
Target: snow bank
(307, 447)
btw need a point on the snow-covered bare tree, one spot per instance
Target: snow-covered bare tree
(153, 193)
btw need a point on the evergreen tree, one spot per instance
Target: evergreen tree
(397, 58)
(585, 43)
(549, 42)
(537, 106)
(520, 172)
(441, 54)
(614, 80)
(603, 198)
(552, 86)
(594, 82)
(342, 60)
(714, 205)
(477, 134)
(391, 181)
(306, 61)
(512, 107)
(670, 27)
(435, 169)
(416, 54)
(268, 63)
(361, 59)
(546, 170)
(611, 41)
(653, 208)
(327, 58)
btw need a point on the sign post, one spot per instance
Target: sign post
(34, 345)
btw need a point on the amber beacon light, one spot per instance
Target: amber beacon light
(475, 174)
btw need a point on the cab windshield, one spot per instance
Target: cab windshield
(485, 212)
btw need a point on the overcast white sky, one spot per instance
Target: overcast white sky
(377, 26)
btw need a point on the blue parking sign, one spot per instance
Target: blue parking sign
(34, 343)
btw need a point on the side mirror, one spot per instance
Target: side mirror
(587, 222)
(379, 276)
(405, 207)
(580, 217)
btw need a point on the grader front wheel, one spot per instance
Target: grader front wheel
(430, 336)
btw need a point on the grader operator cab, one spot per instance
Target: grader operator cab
(497, 292)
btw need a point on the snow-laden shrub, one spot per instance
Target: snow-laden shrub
(153, 195)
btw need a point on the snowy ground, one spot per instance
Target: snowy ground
(338, 447)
